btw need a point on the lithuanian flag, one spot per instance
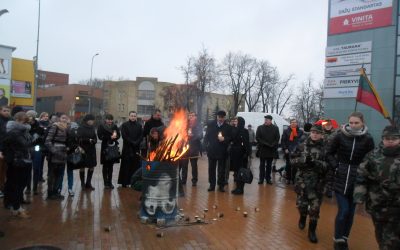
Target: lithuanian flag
(368, 95)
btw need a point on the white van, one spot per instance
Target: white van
(257, 118)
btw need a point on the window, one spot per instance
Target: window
(145, 109)
(146, 94)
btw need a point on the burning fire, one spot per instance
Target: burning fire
(175, 142)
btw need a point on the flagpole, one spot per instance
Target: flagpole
(361, 70)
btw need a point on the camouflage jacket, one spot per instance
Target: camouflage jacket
(312, 168)
(378, 182)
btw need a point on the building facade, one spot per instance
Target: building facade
(147, 93)
(362, 33)
(48, 79)
(75, 100)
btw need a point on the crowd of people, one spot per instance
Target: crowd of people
(319, 160)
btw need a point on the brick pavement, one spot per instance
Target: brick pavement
(79, 222)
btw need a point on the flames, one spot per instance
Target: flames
(175, 142)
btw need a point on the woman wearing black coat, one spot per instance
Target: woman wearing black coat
(239, 152)
(87, 141)
(345, 152)
(109, 134)
(132, 134)
(17, 146)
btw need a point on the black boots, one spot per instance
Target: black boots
(89, 179)
(340, 244)
(239, 188)
(82, 177)
(107, 176)
(302, 221)
(312, 226)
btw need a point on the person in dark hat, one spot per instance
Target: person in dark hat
(310, 180)
(267, 137)
(87, 141)
(378, 185)
(15, 110)
(216, 141)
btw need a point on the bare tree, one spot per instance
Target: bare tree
(284, 95)
(201, 70)
(238, 74)
(307, 106)
(179, 96)
(255, 93)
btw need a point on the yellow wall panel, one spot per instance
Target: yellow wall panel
(22, 82)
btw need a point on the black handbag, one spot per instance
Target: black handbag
(245, 175)
(76, 157)
(22, 163)
(111, 152)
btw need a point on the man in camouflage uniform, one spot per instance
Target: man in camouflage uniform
(310, 180)
(378, 184)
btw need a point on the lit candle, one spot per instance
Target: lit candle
(219, 135)
(189, 131)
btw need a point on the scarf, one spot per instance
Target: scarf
(293, 134)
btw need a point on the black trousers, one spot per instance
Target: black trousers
(265, 168)
(15, 184)
(183, 170)
(55, 173)
(107, 173)
(290, 170)
(212, 168)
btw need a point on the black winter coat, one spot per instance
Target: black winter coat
(37, 133)
(132, 134)
(345, 152)
(3, 123)
(151, 123)
(87, 141)
(104, 133)
(291, 145)
(17, 143)
(195, 139)
(267, 140)
(240, 146)
(215, 148)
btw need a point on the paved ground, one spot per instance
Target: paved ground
(80, 222)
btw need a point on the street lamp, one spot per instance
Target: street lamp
(90, 81)
(36, 62)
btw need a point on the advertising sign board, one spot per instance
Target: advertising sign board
(340, 82)
(362, 58)
(352, 70)
(354, 15)
(350, 48)
(340, 92)
(21, 89)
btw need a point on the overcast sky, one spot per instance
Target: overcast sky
(154, 37)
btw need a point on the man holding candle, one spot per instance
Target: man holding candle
(216, 141)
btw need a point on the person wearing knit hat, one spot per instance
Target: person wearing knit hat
(310, 180)
(87, 141)
(316, 128)
(378, 185)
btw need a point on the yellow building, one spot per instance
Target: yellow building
(146, 94)
(22, 89)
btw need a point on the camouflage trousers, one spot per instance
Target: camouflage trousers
(387, 234)
(309, 205)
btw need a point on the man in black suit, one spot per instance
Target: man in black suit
(216, 141)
